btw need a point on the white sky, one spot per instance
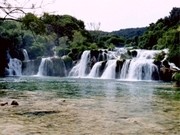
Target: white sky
(113, 14)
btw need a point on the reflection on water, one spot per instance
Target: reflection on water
(88, 106)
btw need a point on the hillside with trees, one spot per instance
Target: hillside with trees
(130, 33)
(165, 33)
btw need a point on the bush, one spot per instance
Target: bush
(177, 77)
(62, 51)
(93, 46)
(160, 56)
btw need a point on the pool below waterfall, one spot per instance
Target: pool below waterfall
(79, 106)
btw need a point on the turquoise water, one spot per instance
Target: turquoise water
(52, 105)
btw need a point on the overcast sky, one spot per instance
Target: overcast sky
(113, 14)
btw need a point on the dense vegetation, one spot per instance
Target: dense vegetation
(130, 33)
(63, 34)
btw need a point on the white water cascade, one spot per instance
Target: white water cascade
(43, 68)
(80, 69)
(26, 56)
(110, 70)
(95, 70)
(15, 67)
(52, 66)
(142, 67)
(139, 67)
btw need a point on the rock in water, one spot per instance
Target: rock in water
(14, 102)
(3, 104)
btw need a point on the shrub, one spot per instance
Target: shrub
(177, 77)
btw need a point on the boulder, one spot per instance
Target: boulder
(3, 104)
(166, 74)
(15, 103)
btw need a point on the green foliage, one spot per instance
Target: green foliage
(62, 25)
(33, 23)
(160, 56)
(163, 33)
(62, 51)
(93, 46)
(177, 77)
(111, 46)
(78, 40)
(129, 33)
(115, 40)
(36, 50)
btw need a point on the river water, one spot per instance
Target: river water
(77, 106)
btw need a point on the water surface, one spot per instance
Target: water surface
(76, 106)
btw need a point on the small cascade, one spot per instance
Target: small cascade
(102, 56)
(81, 68)
(109, 72)
(51, 66)
(125, 69)
(95, 71)
(26, 56)
(15, 67)
(54, 52)
(45, 66)
(141, 69)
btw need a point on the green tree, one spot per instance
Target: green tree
(33, 23)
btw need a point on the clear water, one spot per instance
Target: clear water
(76, 106)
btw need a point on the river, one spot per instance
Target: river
(84, 106)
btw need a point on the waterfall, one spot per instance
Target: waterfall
(15, 67)
(80, 69)
(125, 69)
(44, 66)
(109, 72)
(26, 56)
(141, 69)
(95, 70)
(120, 64)
(52, 66)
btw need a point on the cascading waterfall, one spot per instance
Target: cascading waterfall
(139, 67)
(80, 69)
(95, 70)
(48, 66)
(125, 69)
(43, 68)
(15, 67)
(52, 66)
(110, 70)
(26, 56)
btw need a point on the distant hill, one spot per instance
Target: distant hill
(130, 33)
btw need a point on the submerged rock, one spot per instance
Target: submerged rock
(15, 103)
(3, 104)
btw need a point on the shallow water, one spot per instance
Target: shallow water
(75, 106)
